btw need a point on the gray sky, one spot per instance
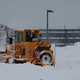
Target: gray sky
(29, 13)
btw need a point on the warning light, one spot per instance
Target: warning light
(32, 31)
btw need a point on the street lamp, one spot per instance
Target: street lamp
(47, 21)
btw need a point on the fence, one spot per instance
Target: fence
(61, 37)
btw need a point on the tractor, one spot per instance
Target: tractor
(29, 48)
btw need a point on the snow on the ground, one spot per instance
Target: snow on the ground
(69, 56)
(67, 67)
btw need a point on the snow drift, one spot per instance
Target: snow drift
(2, 39)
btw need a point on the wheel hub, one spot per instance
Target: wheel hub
(46, 59)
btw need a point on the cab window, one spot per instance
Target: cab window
(35, 34)
(30, 36)
(19, 39)
(27, 36)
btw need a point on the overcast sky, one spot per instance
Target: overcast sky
(32, 13)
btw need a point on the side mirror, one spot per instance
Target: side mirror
(40, 35)
(10, 40)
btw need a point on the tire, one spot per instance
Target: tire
(6, 61)
(46, 58)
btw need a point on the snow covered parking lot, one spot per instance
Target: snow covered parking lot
(67, 67)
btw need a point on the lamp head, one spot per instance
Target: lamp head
(50, 11)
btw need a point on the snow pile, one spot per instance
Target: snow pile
(67, 67)
(2, 39)
(68, 56)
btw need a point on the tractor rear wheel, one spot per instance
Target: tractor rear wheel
(6, 61)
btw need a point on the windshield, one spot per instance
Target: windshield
(30, 36)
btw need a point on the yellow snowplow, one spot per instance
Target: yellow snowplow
(29, 48)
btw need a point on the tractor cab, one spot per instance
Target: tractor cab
(31, 35)
(26, 35)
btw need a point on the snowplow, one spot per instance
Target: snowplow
(29, 48)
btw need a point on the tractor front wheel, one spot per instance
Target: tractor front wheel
(46, 58)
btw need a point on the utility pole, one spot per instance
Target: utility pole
(47, 21)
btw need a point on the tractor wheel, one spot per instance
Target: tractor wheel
(6, 61)
(46, 58)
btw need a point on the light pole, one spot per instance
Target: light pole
(47, 21)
